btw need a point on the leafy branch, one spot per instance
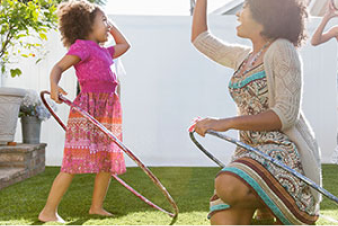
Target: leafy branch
(23, 28)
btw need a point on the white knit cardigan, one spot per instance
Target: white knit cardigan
(284, 74)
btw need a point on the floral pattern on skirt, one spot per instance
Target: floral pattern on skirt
(87, 149)
(250, 92)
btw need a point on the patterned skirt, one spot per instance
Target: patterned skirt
(287, 197)
(87, 149)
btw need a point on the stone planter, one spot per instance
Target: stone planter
(10, 100)
(31, 127)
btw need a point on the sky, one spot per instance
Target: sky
(156, 7)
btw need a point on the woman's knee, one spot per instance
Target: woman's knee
(230, 189)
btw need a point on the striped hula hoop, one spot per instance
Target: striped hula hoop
(261, 154)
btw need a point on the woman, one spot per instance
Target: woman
(267, 88)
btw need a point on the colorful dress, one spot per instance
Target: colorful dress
(287, 197)
(88, 150)
(276, 85)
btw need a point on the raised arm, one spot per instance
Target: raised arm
(318, 37)
(122, 44)
(199, 23)
(221, 52)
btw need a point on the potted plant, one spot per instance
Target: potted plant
(32, 113)
(10, 100)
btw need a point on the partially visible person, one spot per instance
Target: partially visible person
(320, 38)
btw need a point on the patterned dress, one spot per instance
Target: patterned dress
(288, 198)
(88, 150)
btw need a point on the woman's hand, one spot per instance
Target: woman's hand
(55, 93)
(266, 121)
(220, 125)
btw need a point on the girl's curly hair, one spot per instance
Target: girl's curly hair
(76, 18)
(281, 18)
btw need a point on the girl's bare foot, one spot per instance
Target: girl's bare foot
(101, 212)
(50, 217)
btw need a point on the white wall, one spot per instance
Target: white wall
(168, 83)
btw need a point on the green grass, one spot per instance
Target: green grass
(190, 187)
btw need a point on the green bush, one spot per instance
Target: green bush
(23, 29)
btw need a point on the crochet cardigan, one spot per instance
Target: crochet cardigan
(284, 74)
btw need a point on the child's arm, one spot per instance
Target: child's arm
(65, 63)
(122, 44)
(318, 37)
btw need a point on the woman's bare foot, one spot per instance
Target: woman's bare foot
(278, 222)
(101, 212)
(50, 217)
(264, 214)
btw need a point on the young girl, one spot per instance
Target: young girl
(84, 26)
(320, 38)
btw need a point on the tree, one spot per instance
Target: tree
(23, 29)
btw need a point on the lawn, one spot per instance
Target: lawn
(190, 187)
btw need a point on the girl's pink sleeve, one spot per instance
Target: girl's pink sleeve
(111, 51)
(79, 49)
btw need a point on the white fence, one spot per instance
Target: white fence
(168, 83)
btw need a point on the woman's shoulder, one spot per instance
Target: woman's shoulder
(281, 49)
(281, 44)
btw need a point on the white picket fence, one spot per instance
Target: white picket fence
(168, 83)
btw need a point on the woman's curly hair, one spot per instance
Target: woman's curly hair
(281, 18)
(76, 18)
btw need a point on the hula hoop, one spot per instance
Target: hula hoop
(261, 154)
(154, 179)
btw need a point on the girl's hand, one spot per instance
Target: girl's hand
(111, 24)
(122, 44)
(203, 125)
(55, 93)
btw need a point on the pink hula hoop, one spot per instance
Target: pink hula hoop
(154, 179)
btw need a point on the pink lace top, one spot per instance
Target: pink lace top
(93, 71)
